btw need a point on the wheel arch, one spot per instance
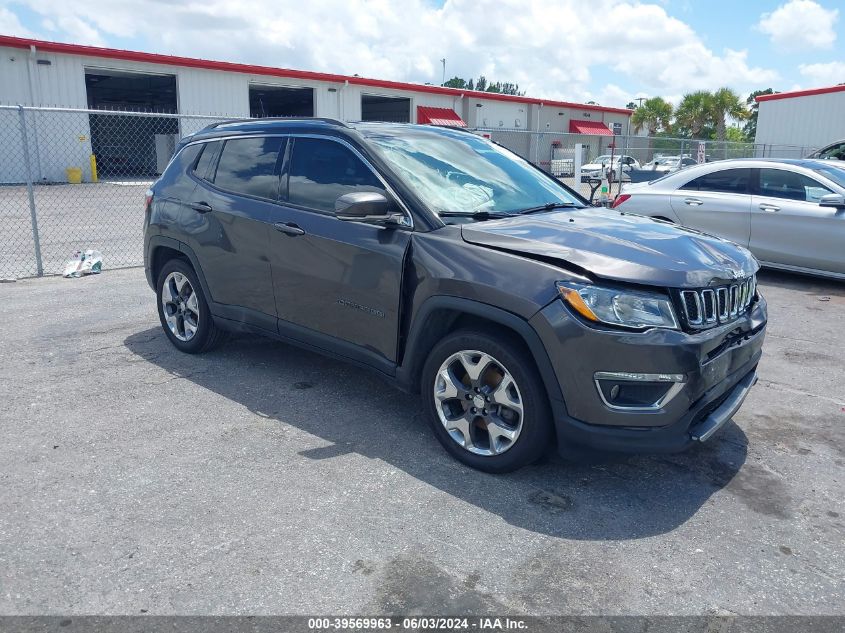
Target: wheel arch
(162, 249)
(441, 315)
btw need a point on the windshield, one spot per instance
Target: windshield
(459, 172)
(832, 173)
(605, 158)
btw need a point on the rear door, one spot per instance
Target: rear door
(789, 227)
(229, 232)
(718, 203)
(332, 277)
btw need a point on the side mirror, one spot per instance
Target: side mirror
(835, 200)
(364, 206)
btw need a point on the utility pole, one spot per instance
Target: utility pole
(639, 101)
(443, 61)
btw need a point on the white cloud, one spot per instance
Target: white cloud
(800, 24)
(820, 75)
(10, 25)
(551, 49)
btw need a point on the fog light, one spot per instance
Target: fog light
(635, 391)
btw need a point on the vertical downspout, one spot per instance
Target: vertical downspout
(32, 102)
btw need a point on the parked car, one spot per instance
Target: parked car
(834, 151)
(455, 269)
(789, 213)
(666, 164)
(659, 167)
(599, 167)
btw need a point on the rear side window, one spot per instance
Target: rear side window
(322, 170)
(203, 165)
(725, 181)
(251, 166)
(780, 183)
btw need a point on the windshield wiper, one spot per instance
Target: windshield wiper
(477, 215)
(550, 206)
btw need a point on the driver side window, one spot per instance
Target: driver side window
(779, 183)
(323, 170)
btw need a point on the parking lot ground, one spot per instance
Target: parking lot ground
(263, 479)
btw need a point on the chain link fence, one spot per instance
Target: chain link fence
(113, 156)
(642, 158)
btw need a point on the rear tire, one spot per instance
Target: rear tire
(183, 309)
(485, 401)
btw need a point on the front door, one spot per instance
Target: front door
(789, 227)
(333, 277)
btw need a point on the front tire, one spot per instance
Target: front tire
(183, 310)
(485, 401)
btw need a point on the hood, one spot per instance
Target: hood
(618, 246)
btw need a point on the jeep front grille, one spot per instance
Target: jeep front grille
(707, 307)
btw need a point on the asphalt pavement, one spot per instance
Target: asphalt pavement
(263, 479)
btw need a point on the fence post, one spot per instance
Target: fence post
(27, 163)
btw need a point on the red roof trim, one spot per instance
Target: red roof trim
(800, 93)
(589, 127)
(439, 116)
(190, 62)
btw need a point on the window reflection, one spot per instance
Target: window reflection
(250, 166)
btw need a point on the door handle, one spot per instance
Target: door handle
(771, 208)
(693, 202)
(289, 228)
(200, 207)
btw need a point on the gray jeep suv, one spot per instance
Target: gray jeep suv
(456, 270)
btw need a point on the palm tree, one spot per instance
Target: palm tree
(726, 104)
(695, 112)
(654, 114)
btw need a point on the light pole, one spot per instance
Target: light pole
(443, 61)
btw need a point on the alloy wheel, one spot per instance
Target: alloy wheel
(180, 305)
(478, 402)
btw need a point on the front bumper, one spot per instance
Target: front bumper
(718, 367)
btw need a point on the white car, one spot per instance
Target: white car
(598, 167)
(789, 213)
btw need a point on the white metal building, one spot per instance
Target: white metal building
(805, 118)
(38, 73)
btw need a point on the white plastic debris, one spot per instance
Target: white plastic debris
(84, 263)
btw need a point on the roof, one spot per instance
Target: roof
(800, 93)
(190, 62)
(439, 116)
(589, 127)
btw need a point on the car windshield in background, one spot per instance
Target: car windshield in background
(835, 174)
(458, 172)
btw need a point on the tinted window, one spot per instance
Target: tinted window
(321, 171)
(250, 166)
(208, 152)
(779, 183)
(725, 181)
(837, 152)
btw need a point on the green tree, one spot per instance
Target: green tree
(726, 105)
(481, 84)
(653, 115)
(456, 82)
(631, 105)
(753, 109)
(695, 114)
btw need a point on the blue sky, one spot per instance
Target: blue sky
(609, 51)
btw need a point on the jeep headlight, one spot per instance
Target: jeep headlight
(624, 308)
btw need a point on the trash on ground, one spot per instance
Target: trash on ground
(84, 263)
(824, 298)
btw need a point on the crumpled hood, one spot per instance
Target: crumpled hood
(618, 246)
